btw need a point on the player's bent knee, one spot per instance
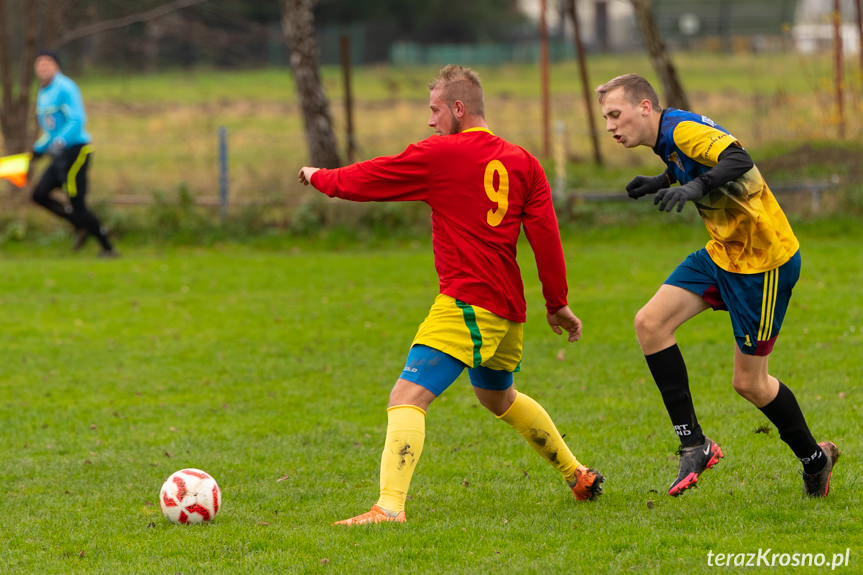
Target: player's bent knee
(406, 392)
(647, 324)
(39, 196)
(745, 386)
(495, 401)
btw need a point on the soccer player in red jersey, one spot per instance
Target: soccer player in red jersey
(481, 190)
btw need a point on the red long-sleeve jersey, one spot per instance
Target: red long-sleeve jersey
(481, 190)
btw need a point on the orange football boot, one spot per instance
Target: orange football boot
(588, 484)
(377, 514)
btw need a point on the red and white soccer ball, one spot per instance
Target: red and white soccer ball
(190, 496)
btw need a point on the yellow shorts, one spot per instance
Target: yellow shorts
(471, 334)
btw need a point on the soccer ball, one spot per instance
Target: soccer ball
(190, 496)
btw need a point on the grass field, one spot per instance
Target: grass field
(268, 364)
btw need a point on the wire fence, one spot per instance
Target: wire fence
(156, 136)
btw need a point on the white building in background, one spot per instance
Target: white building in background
(609, 25)
(605, 24)
(813, 26)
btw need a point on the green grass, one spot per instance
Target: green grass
(268, 364)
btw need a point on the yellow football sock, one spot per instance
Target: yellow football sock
(405, 436)
(531, 420)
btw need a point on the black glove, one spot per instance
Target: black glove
(643, 185)
(667, 197)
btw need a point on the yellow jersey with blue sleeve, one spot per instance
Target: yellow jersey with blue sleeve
(749, 231)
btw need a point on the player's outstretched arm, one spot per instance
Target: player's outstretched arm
(564, 319)
(305, 175)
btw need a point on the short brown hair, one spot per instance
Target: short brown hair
(460, 83)
(635, 89)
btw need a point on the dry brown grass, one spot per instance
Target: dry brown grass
(160, 146)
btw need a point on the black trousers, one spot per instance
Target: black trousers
(68, 171)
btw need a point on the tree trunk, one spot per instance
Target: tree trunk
(857, 4)
(545, 90)
(16, 113)
(585, 87)
(152, 39)
(299, 28)
(659, 56)
(15, 105)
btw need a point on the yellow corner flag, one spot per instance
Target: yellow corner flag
(14, 168)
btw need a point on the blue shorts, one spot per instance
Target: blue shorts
(436, 370)
(755, 302)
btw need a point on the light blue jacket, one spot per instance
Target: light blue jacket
(60, 111)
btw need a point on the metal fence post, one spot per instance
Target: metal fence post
(558, 190)
(223, 172)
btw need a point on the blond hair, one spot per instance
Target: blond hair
(460, 83)
(635, 89)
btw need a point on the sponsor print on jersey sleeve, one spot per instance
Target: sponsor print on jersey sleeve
(701, 142)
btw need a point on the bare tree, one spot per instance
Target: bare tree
(585, 86)
(675, 96)
(106, 25)
(16, 114)
(299, 28)
(15, 105)
(838, 77)
(857, 4)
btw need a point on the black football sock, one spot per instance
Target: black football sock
(102, 236)
(669, 372)
(784, 412)
(85, 219)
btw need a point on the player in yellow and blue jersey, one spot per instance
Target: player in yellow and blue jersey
(749, 267)
(60, 111)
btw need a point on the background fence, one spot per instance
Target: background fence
(156, 134)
